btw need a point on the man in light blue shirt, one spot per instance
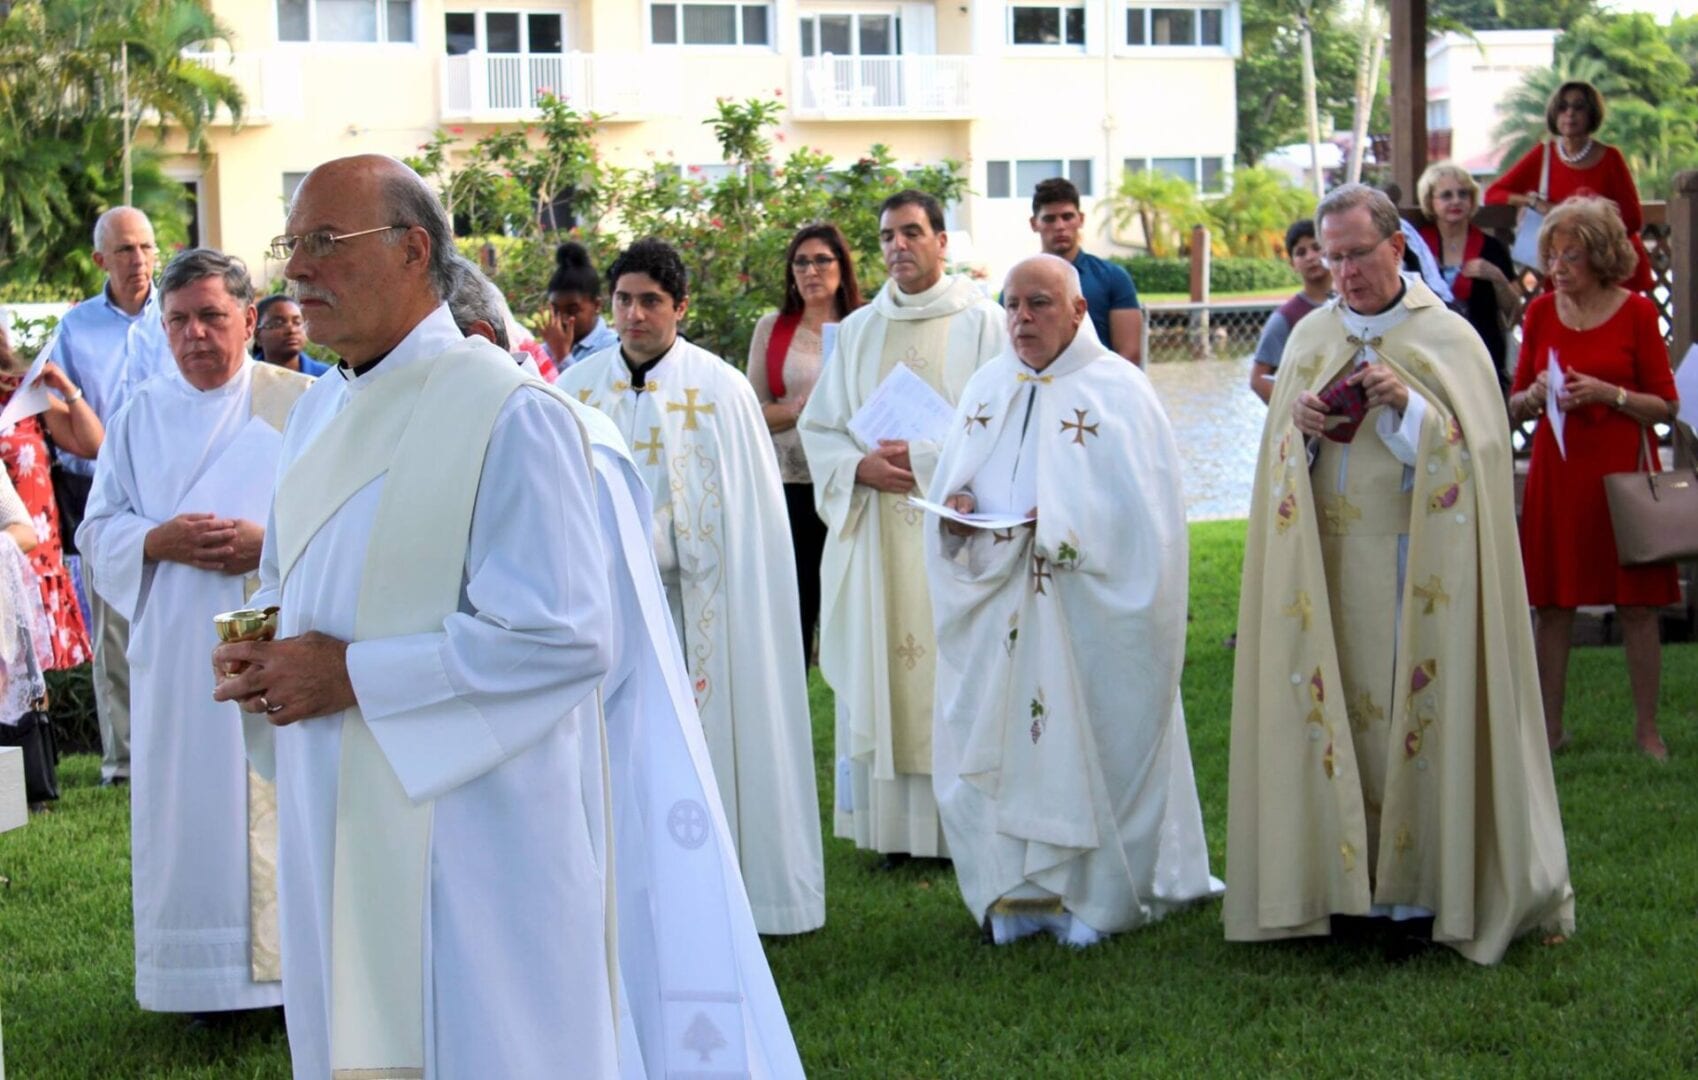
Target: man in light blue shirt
(110, 344)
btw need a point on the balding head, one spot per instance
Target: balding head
(369, 291)
(124, 248)
(1045, 305)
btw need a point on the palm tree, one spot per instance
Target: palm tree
(1162, 205)
(1523, 123)
(1251, 219)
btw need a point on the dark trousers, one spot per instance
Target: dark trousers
(807, 540)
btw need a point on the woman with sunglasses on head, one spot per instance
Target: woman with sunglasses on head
(1579, 165)
(785, 357)
(1475, 266)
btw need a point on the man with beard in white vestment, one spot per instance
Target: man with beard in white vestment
(1062, 770)
(876, 644)
(438, 747)
(688, 949)
(722, 541)
(181, 485)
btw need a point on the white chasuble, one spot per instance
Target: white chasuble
(877, 647)
(202, 825)
(483, 947)
(697, 993)
(1062, 769)
(1388, 741)
(722, 541)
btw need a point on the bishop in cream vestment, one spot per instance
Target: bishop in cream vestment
(877, 648)
(203, 827)
(1061, 765)
(721, 537)
(1388, 748)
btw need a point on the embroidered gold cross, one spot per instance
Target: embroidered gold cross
(584, 397)
(1080, 428)
(1340, 512)
(1023, 377)
(1433, 593)
(910, 651)
(1039, 575)
(652, 446)
(1403, 842)
(1347, 852)
(1301, 608)
(1362, 711)
(621, 385)
(1361, 343)
(982, 419)
(690, 408)
(913, 359)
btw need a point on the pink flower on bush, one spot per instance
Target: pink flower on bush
(778, 91)
(716, 223)
(695, 170)
(458, 130)
(743, 279)
(779, 136)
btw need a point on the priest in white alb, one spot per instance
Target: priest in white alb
(722, 540)
(876, 644)
(181, 488)
(1062, 769)
(444, 830)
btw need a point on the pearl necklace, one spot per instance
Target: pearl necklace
(1572, 159)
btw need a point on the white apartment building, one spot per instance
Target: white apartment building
(1017, 91)
(1467, 81)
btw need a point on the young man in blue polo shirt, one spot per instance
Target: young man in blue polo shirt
(1110, 296)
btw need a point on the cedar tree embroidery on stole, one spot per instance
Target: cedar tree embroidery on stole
(1040, 716)
(704, 1038)
(653, 446)
(695, 529)
(1420, 709)
(690, 407)
(910, 652)
(1318, 725)
(983, 418)
(1301, 609)
(1079, 427)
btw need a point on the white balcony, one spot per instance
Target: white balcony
(498, 87)
(270, 83)
(884, 88)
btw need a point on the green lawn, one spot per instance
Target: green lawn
(897, 984)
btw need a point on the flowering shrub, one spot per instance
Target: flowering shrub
(536, 187)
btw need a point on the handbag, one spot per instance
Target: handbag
(33, 733)
(1526, 249)
(1654, 515)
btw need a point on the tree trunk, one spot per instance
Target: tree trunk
(1310, 107)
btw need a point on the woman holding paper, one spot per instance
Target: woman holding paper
(74, 426)
(785, 357)
(1571, 163)
(1615, 382)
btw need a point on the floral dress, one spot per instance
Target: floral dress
(24, 451)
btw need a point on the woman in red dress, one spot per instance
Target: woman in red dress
(1580, 165)
(75, 427)
(1616, 382)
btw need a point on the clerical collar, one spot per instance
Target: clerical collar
(1367, 327)
(919, 299)
(640, 372)
(352, 372)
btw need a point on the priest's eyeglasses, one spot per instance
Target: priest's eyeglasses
(321, 243)
(1341, 259)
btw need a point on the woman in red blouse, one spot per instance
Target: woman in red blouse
(1579, 165)
(75, 427)
(1616, 383)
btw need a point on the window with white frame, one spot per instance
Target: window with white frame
(1207, 174)
(1438, 115)
(532, 33)
(373, 21)
(1019, 179)
(1198, 26)
(710, 24)
(1047, 24)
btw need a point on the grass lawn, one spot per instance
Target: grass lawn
(897, 984)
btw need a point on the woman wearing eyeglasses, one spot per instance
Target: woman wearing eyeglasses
(1616, 383)
(785, 357)
(1475, 266)
(1579, 165)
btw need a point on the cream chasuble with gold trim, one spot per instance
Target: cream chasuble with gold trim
(722, 541)
(1062, 769)
(1388, 748)
(877, 643)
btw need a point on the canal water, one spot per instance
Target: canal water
(1218, 424)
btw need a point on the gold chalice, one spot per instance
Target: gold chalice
(245, 624)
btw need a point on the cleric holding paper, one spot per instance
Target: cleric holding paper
(876, 645)
(1388, 748)
(722, 540)
(438, 746)
(1059, 756)
(181, 488)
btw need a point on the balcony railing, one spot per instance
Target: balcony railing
(270, 83)
(500, 86)
(884, 87)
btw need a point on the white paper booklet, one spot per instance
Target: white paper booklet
(902, 407)
(977, 521)
(1553, 393)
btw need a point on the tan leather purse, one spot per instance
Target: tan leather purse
(1655, 515)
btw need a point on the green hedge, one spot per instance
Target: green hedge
(1226, 275)
(37, 292)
